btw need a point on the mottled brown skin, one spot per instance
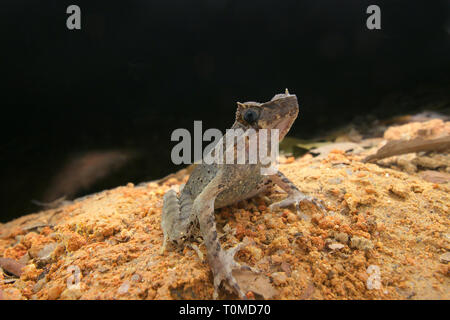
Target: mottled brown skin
(218, 185)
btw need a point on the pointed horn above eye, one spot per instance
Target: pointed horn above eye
(286, 92)
(241, 105)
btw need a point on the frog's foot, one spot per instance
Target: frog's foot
(236, 265)
(295, 199)
(223, 267)
(245, 267)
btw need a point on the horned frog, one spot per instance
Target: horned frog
(212, 186)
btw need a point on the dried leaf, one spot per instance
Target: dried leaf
(11, 266)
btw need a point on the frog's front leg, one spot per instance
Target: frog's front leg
(221, 261)
(294, 197)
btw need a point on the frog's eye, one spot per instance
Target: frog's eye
(250, 116)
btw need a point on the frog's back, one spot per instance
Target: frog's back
(239, 182)
(200, 177)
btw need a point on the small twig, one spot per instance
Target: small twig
(397, 147)
(51, 205)
(6, 281)
(36, 226)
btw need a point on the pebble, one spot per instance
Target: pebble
(435, 176)
(55, 291)
(71, 294)
(342, 237)
(103, 269)
(276, 259)
(125, 286)
(373, 282)
(445, 258)
(279, 278)
(136, 277)
(335, 181)
(45, 253)
(38, 286)
(361, 243)
(336, 246)
(286, 268)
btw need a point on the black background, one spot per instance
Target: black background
(137, 70)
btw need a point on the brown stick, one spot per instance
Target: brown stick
(396, 147)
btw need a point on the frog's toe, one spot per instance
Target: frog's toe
(225, 274)
(227, 265)
(231, 282)
(230, 253)
(283, 203)
(314, 201)
(245, 267)
(296, 199)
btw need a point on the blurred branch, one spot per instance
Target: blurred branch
(397, 147)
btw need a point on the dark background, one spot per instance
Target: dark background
(137, 70)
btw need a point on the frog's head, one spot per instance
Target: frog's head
(279, 113)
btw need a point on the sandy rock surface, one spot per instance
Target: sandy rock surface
(385, 235)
